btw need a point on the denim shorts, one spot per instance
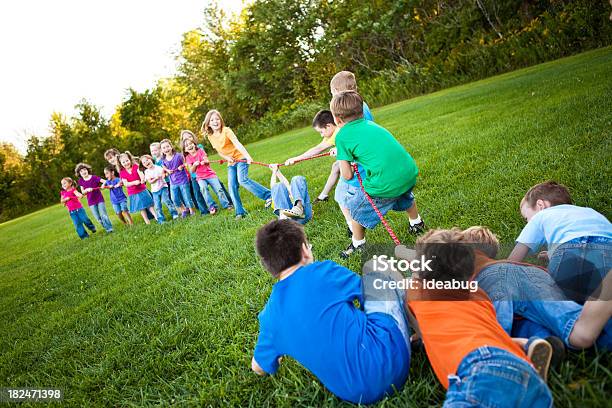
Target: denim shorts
(343, 190)
(119, 207)
(361, 210)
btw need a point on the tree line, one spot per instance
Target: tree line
(268, 70)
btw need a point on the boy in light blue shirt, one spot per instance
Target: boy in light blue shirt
(319, 314)
(578, 239)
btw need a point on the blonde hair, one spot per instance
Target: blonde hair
(347, 106)
(156, 144)
(206, 129)
(111, 152)
(69, 180)
(482, 239)
(146, 156)
(343, 81)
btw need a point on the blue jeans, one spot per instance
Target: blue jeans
(299, 192)
(80, 219)
(215, 184)
(197, 195)
(100, 214)
(579, 266)
(181, 195)
(238, 175)
(530, 292)
(162, 196)
(492, 377)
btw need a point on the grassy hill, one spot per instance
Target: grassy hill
(168, 314)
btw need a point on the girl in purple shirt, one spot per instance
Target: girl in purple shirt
(174, 164)
(90, 185)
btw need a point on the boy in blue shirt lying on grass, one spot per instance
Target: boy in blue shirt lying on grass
(359, 354)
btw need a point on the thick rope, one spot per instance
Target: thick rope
(376, 210)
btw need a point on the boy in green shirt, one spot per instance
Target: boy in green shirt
(390, 171)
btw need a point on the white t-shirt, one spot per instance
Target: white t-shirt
(156, 171)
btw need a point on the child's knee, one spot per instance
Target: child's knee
(335, 167)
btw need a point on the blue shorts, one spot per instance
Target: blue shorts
(361, 210)
(120, 207)
(343, 189)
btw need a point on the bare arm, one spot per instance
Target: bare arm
(313, 151)
(519, 252)
(240, 147)
(346, 170)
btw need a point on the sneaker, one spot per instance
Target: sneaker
(558, 351)
(540, 352)
(295, 212)
(350, 250)
(212, 210)
(229, 207)
(174, 217)
(268, 203)
(239, 216)
(321, 200)
(417, 228)
(185, 214)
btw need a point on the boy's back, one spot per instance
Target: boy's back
(390, 170)
(311, 317)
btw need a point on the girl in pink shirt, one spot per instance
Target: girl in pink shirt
(69, 196)
(198, 163)
(134, 180)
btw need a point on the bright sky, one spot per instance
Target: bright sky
(54, 53)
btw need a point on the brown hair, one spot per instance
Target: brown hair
(169, 142)
(79, 167)
(343, 81)
(188, 133)
(279, 245)
(555, 193)
(347, 106)
(133, 160)
(206, 129)
(322, 119)
(451, 258)
(482, 239)
(112, 151)
(184, 141)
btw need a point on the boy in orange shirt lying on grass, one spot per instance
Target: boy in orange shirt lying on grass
(472, 356)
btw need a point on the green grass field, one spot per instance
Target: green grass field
(167, 315)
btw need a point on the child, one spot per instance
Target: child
(324, 124)
(112, 157)
(196, 192)
(229, 148)
(155, 174)
(198, 164)
(90, 185)
(69, 196)
(133, 179)
(472, 356)
(358, 354)
(579, 239)
(174, 164)
(290, 200)
(530, 292)
(391, 171)
(117, 196)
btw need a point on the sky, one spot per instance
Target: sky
(55, 53)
